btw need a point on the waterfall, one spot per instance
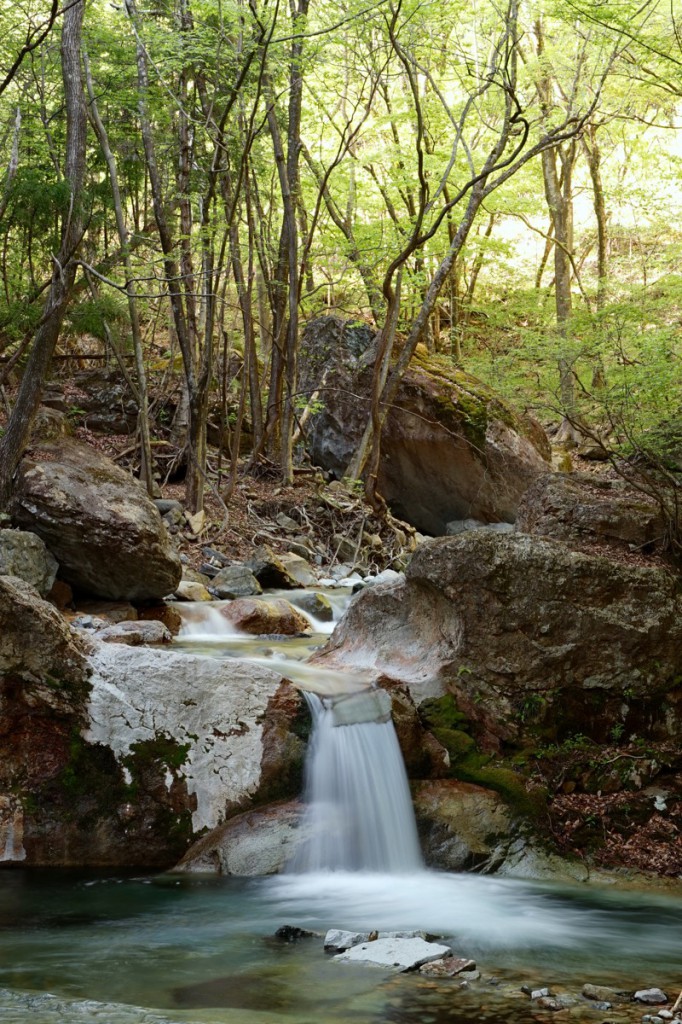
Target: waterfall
(359, 815)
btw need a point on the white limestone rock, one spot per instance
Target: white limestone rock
(338, 940)
(395, 954)
(214, 707)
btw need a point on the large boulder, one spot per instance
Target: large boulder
(97, 521)
(204, 717)
(121, 756)
(43, 689)
(24, 555)
(463, 827)
(451, 448)
(37, 647)
(103, 403)
(526, 633)
(587, 511)
(258, 842)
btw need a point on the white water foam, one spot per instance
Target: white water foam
(204, 621)
(479, 912)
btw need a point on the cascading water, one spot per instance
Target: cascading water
(359, 815)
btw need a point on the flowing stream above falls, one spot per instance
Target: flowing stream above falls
(205, 630)
(80, 948)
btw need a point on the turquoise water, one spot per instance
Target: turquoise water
(147, 949)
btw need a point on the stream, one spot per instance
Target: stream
(86, 947)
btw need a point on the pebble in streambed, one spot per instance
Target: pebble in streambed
(446, 972)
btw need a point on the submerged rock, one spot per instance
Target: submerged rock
(97, 521)
(602, 993)
(449, 967)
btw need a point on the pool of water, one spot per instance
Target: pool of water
(77, 949)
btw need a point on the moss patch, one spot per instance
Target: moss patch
(163, 752)
(442, 713)
(457, 743)
(511, 786)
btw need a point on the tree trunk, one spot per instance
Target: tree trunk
(196, 399)
(594, 163)
(558, 191)
(64, 272)
(146, 467)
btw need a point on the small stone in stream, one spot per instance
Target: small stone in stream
(316, 605)
(338, 941)
(549, 1003)
(299, 568)
(666, 1014)
(602, 1004)
(602, 993)
(188, 590)
(216, 556)
(449, 966)
(540, 993)
(235, 581)
(88, 622)
(650, 996)
(135, 634)
(395, 954)
(290, 933)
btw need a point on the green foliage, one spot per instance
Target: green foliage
(35, 198)
(93, 316)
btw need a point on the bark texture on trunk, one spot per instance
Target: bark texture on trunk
(18, 430)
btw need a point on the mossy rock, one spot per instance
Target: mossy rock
(442, 713)
(457, 743)
(509, 784)
(467, 403)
